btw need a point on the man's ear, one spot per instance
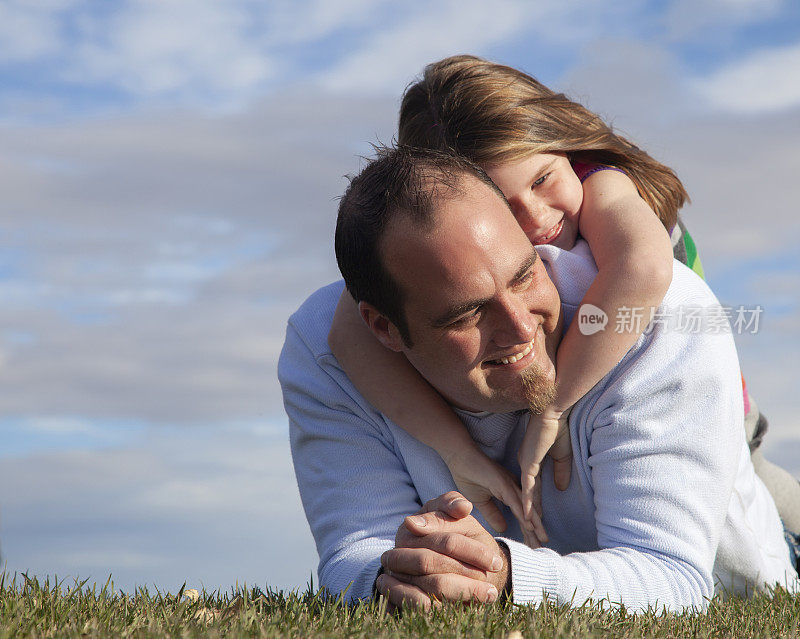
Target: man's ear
(381, 327)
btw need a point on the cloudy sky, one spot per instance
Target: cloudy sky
(169, 173)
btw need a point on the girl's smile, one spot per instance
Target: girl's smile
(545, 196)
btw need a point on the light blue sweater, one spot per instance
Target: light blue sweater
(663, 506)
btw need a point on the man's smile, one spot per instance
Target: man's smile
(516, 357)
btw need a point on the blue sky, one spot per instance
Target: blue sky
(169, 174)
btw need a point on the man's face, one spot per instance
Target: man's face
(480, 307)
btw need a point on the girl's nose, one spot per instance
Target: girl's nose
(518, 208)
(528, 213)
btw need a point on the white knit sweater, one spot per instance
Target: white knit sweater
(663, 506)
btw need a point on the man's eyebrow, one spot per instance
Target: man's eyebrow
(456, 311)
(525, 267)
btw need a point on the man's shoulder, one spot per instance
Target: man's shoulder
(688, 287)
(572, 271)
(312, 320)
(307, 370)
(688, 326)
(316, 391)
(686, 350)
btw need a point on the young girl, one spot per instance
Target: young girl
(565, 174)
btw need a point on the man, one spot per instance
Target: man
(663, 505)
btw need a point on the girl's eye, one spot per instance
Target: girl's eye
(541, 179)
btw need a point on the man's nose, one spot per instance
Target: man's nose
(515, 323)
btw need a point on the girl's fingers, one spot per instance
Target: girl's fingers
(562, 470)
(561, 454)
(511, 496)
(538, 528)
(491, 513)
(529, 538)
(528, 481)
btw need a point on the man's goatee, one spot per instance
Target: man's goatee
(540, 390)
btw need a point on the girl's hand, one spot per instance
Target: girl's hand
(547, 433)
(482, 480)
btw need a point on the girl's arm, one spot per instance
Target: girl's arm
(633, 253)
(389, 382)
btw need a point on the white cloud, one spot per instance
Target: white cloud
(155, 258)
(762, 82)
(29, 30)
(403, 45)
(711, 18)
(212, 506)
(175, 47)
(741, 175)
(293, 22)
(214, 54)
(631, 84)
(61, 426)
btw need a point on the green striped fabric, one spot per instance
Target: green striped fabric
(684, 249)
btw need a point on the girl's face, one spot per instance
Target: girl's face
(545, 196)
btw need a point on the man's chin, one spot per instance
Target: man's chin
(539, 389)
(531, 390)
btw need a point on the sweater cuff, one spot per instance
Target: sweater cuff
(375, 592)
(533, 573)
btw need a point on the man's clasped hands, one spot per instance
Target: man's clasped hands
(442, 554)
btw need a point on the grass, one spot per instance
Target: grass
(33, 608)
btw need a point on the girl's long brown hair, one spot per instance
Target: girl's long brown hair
(493, 114)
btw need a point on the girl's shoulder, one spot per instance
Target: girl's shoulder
(584, 169)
